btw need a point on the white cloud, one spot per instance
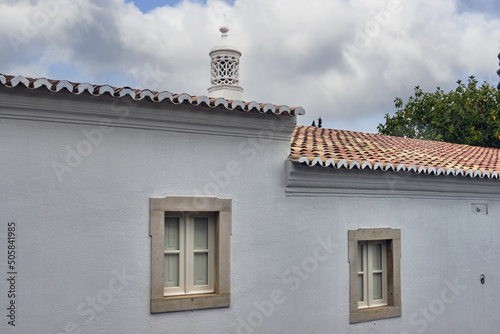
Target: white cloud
(343, 60)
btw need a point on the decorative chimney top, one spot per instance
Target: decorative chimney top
(225, 70)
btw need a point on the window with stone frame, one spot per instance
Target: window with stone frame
(189, 253)
(374, 274)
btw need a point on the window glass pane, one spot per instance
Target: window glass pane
(360, 288)
(171, 233)
(200, 269)
(171, 270)
(360, 257)
(377, 257)
(200, 233)
(377, 286)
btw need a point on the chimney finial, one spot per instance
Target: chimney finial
(225, 69)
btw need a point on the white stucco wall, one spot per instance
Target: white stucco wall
(83, 245)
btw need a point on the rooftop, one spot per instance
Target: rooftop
(78, 88)
(312, 145)
(350, 149)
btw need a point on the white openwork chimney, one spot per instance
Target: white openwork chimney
(225, 68)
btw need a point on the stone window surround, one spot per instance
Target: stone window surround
(221, 295)
(393, 307)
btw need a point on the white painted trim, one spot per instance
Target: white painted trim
(371, 245)
(127, 113)
(364, 272)
(190, 287)
(474, 173)
(179, 290)
(303, 180)
(368, 273)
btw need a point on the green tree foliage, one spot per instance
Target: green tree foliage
(467, 115)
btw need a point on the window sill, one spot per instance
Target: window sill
(375, 313)
(189, 302)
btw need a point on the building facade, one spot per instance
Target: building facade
(313, 230)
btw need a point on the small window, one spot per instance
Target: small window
(189, 253)
(188, 264)
(372, 273)
(375, 278)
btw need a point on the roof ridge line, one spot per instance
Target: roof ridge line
(78, 88)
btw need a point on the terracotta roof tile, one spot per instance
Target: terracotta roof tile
(77, 88)
(350, 149)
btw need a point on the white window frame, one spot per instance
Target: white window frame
(179, 290)
(186, 253)
(367, 271)
(390, 305)
(191, 288)
(188, 296)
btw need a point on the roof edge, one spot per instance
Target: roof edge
(302, 180)
(428, 170)
(77, 88)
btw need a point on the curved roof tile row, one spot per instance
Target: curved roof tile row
(146, 94)
(350, 149)
(316, 146)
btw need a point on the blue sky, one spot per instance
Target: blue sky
(147, 5)
(343, 60)
(488, 7)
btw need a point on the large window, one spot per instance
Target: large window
(189, 253)
(375, 275)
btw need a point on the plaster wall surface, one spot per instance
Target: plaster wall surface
(83, 245)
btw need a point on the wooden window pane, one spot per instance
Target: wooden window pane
(201, 233)
(171, 240)
(171, 270)
(360, 257)
(377, 256)
(360, 288)
(200, 269)
(377, 286)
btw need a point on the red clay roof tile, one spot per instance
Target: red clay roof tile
(340, 148)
